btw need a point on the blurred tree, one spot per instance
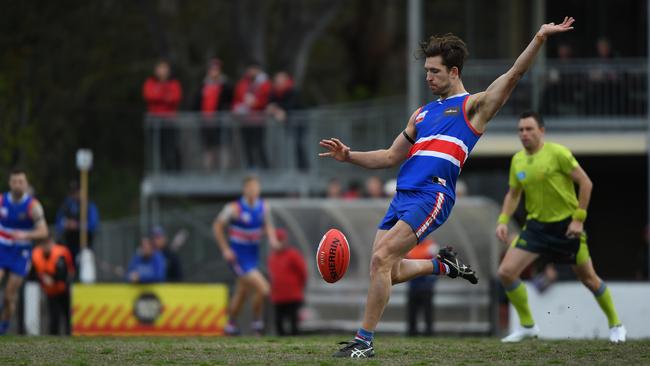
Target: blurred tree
(71, 73)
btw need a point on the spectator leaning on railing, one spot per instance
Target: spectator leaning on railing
(147, 265)
(285, 99)
(214, 95)
(250, 99)
(163, 94)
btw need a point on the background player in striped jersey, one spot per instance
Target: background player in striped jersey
(21, 222)
(248, 219)
(546, 173)
(435, 144)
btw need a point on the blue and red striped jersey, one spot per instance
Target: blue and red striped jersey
(444, 140)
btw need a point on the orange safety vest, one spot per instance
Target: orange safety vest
(47, 266)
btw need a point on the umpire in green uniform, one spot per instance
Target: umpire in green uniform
(546, 172)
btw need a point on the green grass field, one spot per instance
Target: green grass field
(313, 350)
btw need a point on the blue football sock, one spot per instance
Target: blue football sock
(364, 336)
(439, 268)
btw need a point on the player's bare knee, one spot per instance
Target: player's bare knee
(264, 290)
(395, 277)
(381, 261)
(506, 275)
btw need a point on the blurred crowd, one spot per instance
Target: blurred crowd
(253, 99)
(604, 88)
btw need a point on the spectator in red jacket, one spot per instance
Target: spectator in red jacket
(251, 97)
(288, 279)
(214, 95)
(162, 93)
(252, 91)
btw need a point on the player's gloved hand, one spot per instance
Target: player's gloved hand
(502, 233)
(229, 255)
(337, 150)
(575, 229)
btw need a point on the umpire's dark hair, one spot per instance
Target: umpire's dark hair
(534, 115)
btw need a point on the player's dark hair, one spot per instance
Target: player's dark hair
(451, 48)
(534, 115)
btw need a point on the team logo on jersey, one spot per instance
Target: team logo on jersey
(521, 175)
(452, 111)
(420, 116)
(246, 217)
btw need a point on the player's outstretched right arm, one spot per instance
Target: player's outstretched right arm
(376, 159)
(510, 203)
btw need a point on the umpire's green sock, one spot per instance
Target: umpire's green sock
(519, 298)
(604, 298)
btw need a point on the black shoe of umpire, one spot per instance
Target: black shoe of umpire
(355, 349)
(457, 268)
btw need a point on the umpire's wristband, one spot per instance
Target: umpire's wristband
(580, 214)
(503, 219)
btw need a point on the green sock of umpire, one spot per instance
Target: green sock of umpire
(519, 299)
(604, 298)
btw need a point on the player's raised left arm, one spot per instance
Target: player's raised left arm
(585, 186)
(483, 106)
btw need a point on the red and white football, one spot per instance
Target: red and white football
(333, 256)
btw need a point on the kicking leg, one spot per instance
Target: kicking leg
(445, 263)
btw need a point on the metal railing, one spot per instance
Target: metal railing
(585, 87)
(224, 143)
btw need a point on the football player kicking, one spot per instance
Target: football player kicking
(432, 149)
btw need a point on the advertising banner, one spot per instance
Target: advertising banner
(160, 309)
